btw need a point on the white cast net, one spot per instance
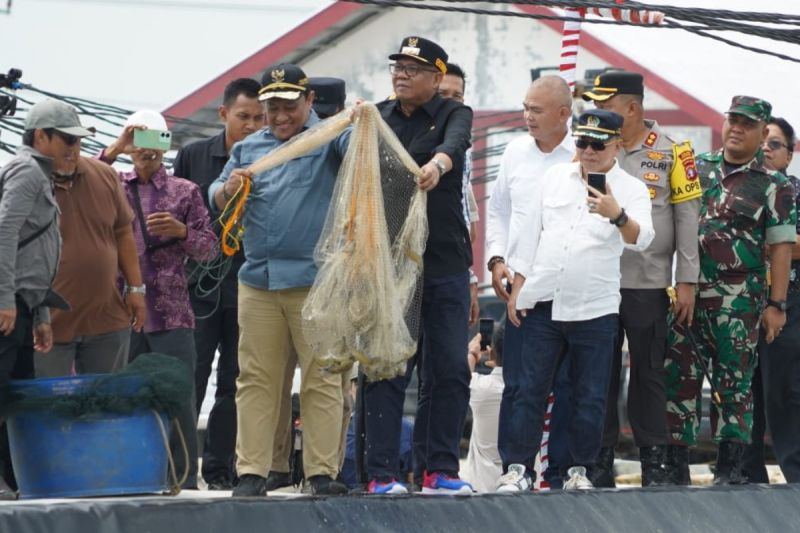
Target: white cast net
(365, 302)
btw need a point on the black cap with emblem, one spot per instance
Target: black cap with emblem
(598, 124)
(424, 51)
(615, 82)
(284, 81)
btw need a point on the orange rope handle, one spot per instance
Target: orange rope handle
(227, 225)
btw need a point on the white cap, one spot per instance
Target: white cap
(152, 119)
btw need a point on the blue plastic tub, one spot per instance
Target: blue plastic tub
(98, 455)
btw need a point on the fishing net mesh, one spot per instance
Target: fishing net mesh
(365, 302)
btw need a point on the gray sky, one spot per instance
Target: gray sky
(150, 53)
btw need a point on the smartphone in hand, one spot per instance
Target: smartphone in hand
(597, 180)
(486, 329)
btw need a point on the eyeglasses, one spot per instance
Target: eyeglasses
(775, 144)
(409, 70)
(583, 143)
(69, 140)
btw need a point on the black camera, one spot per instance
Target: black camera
(8, 104)
(11, 80)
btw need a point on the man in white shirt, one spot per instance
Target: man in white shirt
(568, 252)
(547, 110)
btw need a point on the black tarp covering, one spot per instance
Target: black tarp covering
(732, 510)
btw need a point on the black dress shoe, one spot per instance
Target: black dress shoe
(277, 480)
(250, 486)
(220, 484)
(6, 492)
(326, 486)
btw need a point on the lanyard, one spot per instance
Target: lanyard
(150, 242)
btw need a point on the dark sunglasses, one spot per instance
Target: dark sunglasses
(774, 144)
(583, 143)
(69, 140)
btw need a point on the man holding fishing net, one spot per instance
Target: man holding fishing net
(284, 216)
(436, 133)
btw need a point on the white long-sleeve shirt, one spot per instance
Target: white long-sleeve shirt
(570, 255)
(521, 168)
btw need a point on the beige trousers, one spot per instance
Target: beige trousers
(283, 435)
(268, 322)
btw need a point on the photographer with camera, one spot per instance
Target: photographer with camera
(583, 216)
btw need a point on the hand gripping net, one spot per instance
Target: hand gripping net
(365, 302)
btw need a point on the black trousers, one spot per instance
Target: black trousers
(217, 328)
(16, 362)
(643, 319)
(780, 377)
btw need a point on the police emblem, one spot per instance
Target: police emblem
(687, 160)
(651, 176)
(278, 75)
(655, 156)
(413, 41)
(593, 121)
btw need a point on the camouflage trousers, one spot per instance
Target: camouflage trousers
(725, 328)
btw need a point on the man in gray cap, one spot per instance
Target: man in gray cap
(29, 239)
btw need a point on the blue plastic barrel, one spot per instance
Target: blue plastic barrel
(96, 455)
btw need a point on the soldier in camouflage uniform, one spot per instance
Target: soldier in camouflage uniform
(745, 207)
(668, 170)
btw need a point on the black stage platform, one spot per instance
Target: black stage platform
(742, 509)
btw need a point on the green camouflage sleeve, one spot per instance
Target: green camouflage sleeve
(781, 214)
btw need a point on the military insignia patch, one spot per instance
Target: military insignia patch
(652, 137)
(593, 121)
(655, 156)
(278, 75)
(651, 176)
(413, 41)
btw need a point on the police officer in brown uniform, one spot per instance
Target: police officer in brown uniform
(668, 170)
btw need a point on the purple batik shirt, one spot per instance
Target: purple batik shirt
(162, 259)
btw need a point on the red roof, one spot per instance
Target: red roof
(338, 12)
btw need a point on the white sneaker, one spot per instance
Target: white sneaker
(577, 479)
(516, 479)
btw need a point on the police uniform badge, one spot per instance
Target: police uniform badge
(683, 181)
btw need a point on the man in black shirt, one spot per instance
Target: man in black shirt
(436, 133)
(215, 310)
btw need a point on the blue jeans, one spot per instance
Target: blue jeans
(443, 390)
(587, 346)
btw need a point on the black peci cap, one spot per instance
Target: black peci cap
(329, 95)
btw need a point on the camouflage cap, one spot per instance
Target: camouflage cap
(751, 107)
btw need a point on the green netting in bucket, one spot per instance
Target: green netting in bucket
(94, 435)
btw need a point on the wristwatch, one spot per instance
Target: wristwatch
(779, 304)
(136, 289)
(621, 220)
(493, 261)
(440, 166)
